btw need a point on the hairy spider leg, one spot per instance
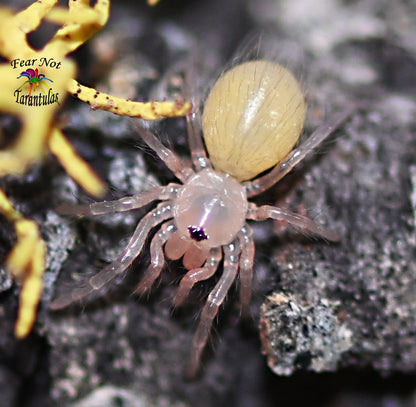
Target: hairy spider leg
(265, 182)
(246, 272)
(196, 146)
(300, 222)
(136, 201)
(196, 275)
(211, 307)
(161, 213)
(171, 159)
(157, 257)
(193, 119)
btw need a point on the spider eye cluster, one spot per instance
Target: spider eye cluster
(252, 118)
(210, 208)
(197, 233)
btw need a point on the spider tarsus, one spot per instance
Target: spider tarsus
(191, 372)
(65, 300)
(142, 289)
(178, 299)
(181, 292)
(332, 235)
(61, 303)
(75, 210)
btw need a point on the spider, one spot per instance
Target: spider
(34, 79)
(252, 119)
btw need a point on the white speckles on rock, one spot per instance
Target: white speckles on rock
(297, 336)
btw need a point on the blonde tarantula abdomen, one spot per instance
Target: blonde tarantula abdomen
(252, 118)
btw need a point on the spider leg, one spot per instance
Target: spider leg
(161, 213)
(192, 93)
(199, 156)
(171, 159)
(246, 267)
(128, 203)
(211, 307)
(260, 184)
(300, 222)
(157, 257)
(195, 276)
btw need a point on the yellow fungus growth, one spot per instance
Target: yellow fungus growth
(124, 107)
(74, 165)
(40, 132)
(26, 264)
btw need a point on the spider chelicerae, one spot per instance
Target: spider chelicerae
(252, 119)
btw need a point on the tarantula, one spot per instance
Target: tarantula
(252, 119)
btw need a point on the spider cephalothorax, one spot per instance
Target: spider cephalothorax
(252, 119)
